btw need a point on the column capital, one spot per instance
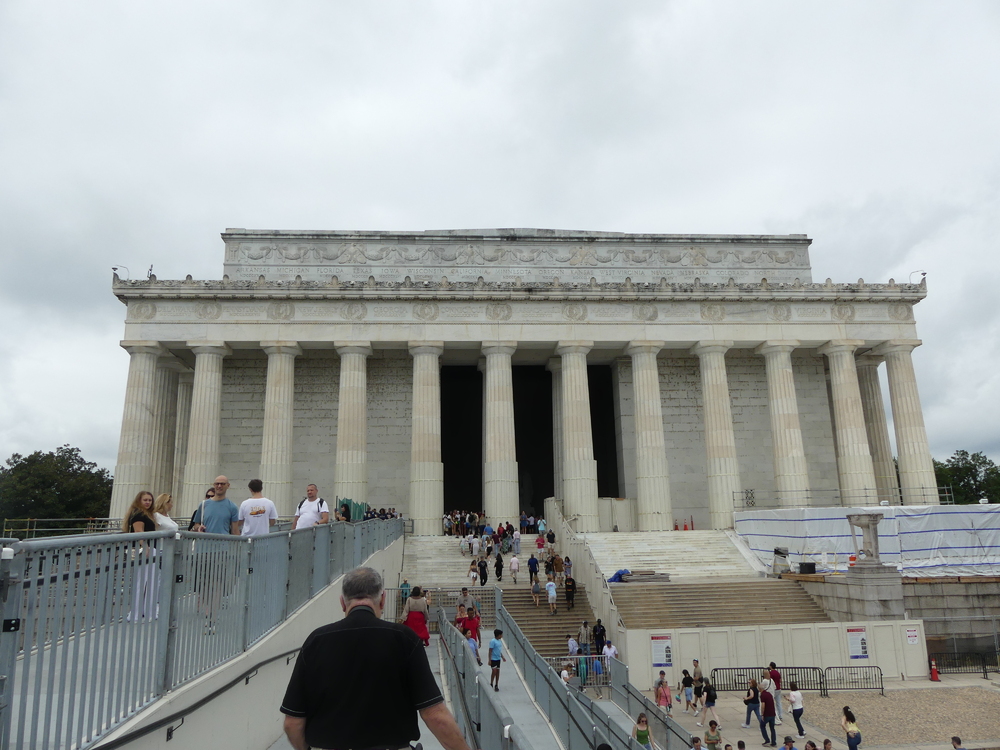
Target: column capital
(426, 347)
(868, 360)
(574, 347)
(499, 347)
(170, 362)
(837, 346)
(281, 347)
(210, 347)
(774, 347)
(554, 365)
(711, 347)
(143, 347)
(896, 345)
(644, 347)
(353, 347)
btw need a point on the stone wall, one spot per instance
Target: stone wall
(962, 613)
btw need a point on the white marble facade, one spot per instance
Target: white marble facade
(317, 359)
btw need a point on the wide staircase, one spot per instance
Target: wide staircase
(715, 602)
(436, 562)
(682, 554)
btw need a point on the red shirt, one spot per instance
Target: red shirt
(472, 624)
(540, 543)
(776, 676)
(766, 704)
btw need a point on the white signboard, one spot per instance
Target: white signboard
(662, 650)
(857, 642)
(912, 635)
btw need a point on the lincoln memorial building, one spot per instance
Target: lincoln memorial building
(639, 379)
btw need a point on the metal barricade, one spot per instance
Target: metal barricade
(738, 678)
(97, 627)
(854, 678)
(967, 662)
(587, 671)
(444, 599)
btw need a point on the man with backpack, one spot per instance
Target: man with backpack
(312, 510)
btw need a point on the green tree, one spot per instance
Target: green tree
(971, 477)
(59, 484)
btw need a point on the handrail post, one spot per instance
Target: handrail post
(168, 620)
(247, 572)
(11, 592)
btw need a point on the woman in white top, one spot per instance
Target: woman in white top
(161, 513)
(795, 702)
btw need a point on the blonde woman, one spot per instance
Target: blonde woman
(161, 513)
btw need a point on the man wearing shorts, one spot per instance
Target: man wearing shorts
(496, 655)
(550, 589)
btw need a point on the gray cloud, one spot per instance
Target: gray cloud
(134, 135)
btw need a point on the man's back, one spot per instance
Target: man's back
(345, 668)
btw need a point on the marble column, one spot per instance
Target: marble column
(165, 424)
(185, 382)
(276, 437)
(202, 464)
(426, 469)
(877, 427)
(722, 465)
(652, 475)
(916, 468)
(501, 500)
(791, 472)
(854, 460)
(554, 366)
(579, 466)
(133, 469)
(351, 473)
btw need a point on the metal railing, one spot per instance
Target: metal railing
(738, 678)
(667, 733)
(968, 662)
(588, 573)
(32, 528)
(484, 720)
(586, 671)
(445, 599)
(854, 678)
(752, 499)
(98, 627)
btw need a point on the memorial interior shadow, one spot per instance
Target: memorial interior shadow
(462, 435)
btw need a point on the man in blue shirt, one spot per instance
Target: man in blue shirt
(532, 569)
(218, 515)
(496, 654)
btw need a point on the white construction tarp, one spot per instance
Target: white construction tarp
(920, 540)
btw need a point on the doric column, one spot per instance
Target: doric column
(351, 474)
(877, 427)
(916, 468)
(791, 473)
(652, 474)
(501, 500)
(202, 465)
(426, 469)
(276, 438)
(854, 460)
(185, 382)
(554, 366)
(720, 440)
(164, 424)
(133, 470)
(579, 466)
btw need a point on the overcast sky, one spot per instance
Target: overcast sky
(132, 134)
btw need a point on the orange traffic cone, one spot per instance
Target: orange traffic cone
(851, 560)
(685, 526)
(676, 527)
(935, 677)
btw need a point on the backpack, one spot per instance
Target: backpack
(320, 507)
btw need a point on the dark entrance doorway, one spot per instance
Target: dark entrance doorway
(533, 436)
(602, 425)
(462, 437)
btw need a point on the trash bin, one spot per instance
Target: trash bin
(807, 568)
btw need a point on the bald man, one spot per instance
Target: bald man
(218, 515)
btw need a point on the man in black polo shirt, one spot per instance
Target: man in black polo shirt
(360, 682)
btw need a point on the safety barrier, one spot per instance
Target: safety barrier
(446, 599)
(482, 716)
(667, 733)
(854, 678)
(738, 678)
(98, 627)
(965, 662)
(585, 671)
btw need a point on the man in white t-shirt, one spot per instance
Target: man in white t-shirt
(610, 650)
(257, 513)
(312, 510)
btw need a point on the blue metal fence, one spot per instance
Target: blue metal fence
(97, 627)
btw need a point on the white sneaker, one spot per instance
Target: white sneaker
(698, 711)
(777, 722)
(801, 736)
(744, 726)
(698, 724)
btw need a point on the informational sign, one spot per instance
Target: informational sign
(857, 642)
(912, 635)
(662, 648)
